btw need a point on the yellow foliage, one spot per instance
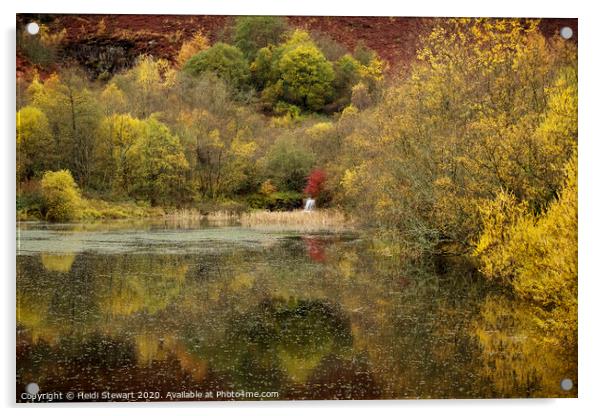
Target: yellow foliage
(50, 39)
(537, 255)
(320, 129)
(58, 262)
(349, 111)
(298, 37)
(191, 47)
(349, 181)
(267, 188)
(373, 72)
(147, 84)
(61, 195)
(113, 99)
(34, 139)
(517, 355)
(119, 134)
(501, 218)
(490, 105)
(243, 149)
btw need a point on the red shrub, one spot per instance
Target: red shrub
(315, 183)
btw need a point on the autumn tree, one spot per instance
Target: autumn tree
(35, 151)
(536, 255)
(219, 136)
(466, 122)
(191, 47)
(147, 85)
(318, 188)
(296, 72)
(288, 164)
(158, 165)
(73, 116)
(62, 199)
(315, 183)
(118, 136)
(226, 61)
(113, 100)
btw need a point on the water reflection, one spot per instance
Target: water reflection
(57, 262)
(315, 248)
(312, 317)
(519, 358)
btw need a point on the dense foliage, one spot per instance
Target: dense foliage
(62, 201)
(536, 255)
(489, 105)
(227, 61)
(251, 33)
(470, 150)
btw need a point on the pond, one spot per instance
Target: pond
(161, 311)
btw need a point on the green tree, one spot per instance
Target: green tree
(252, 33)
(347, 74)
(296, 72)
(62, 200)
(288, 164)
(307, 77)
(227, 61)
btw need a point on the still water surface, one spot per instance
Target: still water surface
(168, 310)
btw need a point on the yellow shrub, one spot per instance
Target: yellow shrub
(62, 200)
(58, 262)
(537, 255)
(267, 188)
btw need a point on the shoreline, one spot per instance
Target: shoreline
(330, 220)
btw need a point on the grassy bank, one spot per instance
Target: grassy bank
(94, 209)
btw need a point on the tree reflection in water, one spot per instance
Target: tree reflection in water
(313, 317)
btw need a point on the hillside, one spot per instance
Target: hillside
(93, 40)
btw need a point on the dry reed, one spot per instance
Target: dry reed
(320, 220)
(186, 217)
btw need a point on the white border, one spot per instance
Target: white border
(590, 49)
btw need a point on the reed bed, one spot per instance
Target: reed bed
(183, 214)
(187, 217)
(320, 220)
(225, 216)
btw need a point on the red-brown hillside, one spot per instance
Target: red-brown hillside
(394, 38)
